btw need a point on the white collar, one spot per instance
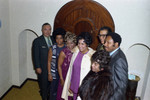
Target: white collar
(111, 53)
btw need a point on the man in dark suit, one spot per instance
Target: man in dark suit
(118, 64)
(40, 49)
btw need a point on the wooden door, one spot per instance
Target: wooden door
(84, 16)
(82, 26)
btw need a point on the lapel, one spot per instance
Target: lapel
(43, 42)
(113, 56)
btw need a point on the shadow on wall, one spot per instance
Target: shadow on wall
(138, 56)
(26, 69)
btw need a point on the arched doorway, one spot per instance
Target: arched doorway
(26, 69)
(138, 56)
(84, 16)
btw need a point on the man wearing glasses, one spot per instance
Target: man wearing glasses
(102, 35)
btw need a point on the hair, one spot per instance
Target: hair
(45, 24)
(116, 37)
(86, 36)
(98, 86)
(102, 57)
(105, 28)
(70, 36)
(59, 31)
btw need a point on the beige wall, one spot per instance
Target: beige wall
(131, 18)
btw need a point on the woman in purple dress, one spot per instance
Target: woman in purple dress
(80, 65)
(64, 61)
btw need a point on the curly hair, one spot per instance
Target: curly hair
(59, 31)
(102, 58)
(71, 37)
(98, 86)
(86, 36)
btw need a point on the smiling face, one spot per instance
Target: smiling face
(82, 46)
(110, 45)
(102, 35)
(46, 30)
(70, 44)
(95, 67)
(59, 40)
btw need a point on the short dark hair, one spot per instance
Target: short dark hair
(86, 36)
(105, 28)
(45, 24)
(102, 57)
(116, 37)
(59, 31)
(98, 86)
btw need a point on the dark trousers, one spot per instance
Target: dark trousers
(53, 88)
(43, 84)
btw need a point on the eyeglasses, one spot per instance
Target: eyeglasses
(101, 35)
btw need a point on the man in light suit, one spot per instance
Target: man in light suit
(118, 64)
(40, 49)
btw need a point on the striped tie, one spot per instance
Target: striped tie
(49, 42)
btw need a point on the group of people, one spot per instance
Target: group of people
(68, 69)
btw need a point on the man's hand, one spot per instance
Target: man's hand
(38, 70)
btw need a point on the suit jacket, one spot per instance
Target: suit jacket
(119, 68)
(40, 53)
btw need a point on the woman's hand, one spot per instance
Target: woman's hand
(70, 91)
(62, 82)
(60, 62)
(50, 78)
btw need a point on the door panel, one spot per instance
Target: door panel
(82, 26)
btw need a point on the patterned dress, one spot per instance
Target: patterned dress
(65, 67)
(54, 66)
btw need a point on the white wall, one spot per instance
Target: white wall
(22, 46)
(29, 14)
(30, 69)
(138, 60)
(26, 69)
(147, 89)
(145, 94)
(5, 79)
(131, 18)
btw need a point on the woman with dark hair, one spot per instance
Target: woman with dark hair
(64, 61)
(53, 55)
(79, 66)
(97, 85)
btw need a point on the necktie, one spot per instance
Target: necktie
(49, 42)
